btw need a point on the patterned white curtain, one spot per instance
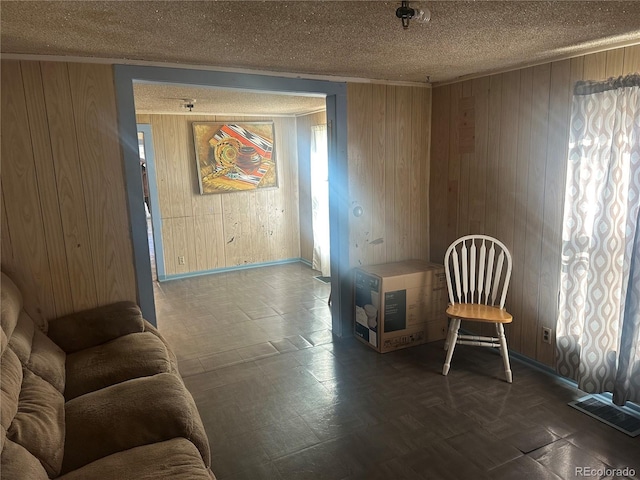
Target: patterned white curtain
(320, 199)
(598, 331)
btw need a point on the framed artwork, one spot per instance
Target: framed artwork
(233, 157)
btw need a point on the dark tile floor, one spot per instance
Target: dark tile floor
(281, 399)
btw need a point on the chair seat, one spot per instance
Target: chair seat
(479, 313)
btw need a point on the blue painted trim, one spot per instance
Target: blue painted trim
(336, 99)
(248, 266)
(341, 282)
(542, 368)
(306, 262)
(156, 217)
(629, 407)
(605, 397)
(265, 83)
(599, 397)
(135, 197)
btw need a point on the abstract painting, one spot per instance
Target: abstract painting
(233, 157)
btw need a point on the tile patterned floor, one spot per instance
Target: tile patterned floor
(281, 399)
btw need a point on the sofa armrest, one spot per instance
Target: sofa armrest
(130, 414)
(173, 360)
(96, 326)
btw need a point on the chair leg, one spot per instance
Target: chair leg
(446, 339)
(452, 338)
(504, 351)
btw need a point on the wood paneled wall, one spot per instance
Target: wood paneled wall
(498, 167)
(388, 129)
(65, 227)
(303, 126)
(388, 155)
(222, 230)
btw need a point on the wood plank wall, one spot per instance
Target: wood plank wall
(498, 167)
(65, 228)
(388, 155)
(222, 230)
(303, 126)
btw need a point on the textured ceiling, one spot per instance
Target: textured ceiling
(342, 39)
(356, 39)
(162, 98)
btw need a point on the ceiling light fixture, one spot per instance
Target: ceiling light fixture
(188, 103)
(406, 13)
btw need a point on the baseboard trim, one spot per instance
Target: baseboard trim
(606, 397)
(541, 367)
(179, 276)
(532, 363)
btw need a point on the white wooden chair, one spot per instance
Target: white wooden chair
(481, 270)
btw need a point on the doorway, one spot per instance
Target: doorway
(320, 202)
(151, 201)
(126, 75)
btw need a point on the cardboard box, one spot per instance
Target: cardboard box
(399, 305)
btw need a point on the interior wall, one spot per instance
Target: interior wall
(222, 230)
(388, 154)
(303, 127)
(65, 227)
(499, 154)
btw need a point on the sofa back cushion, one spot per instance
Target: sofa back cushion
(10, 306)
(31, 384)
(39, 423)
(18, 463)
(130, 356)
(29, 451)
(86, 329)
(38, 353)
(10, 384)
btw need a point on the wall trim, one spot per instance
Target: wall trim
(541, 367)
(211, 68)
(606, 397)
(559, 58)
(222, 114)
(156, 220)
(320, 110)
(248, 266)
(306, 262)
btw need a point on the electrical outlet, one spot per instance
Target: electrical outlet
(180, 260)
(546, 334)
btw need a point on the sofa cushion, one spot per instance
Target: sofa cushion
(37, 352)
(48, 361)
(130, 414)
(39, 424)
(4, 341)
(175, 459)
(132, 356)
(18, 464)
(172, 356)
(10, 306)
(21, 339)
(10, 384)
(89, 328)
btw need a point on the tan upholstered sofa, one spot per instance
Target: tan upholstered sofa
(96, 397)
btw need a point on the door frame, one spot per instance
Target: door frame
(152, 181)
(336, 102)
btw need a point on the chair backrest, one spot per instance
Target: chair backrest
(481, 269)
